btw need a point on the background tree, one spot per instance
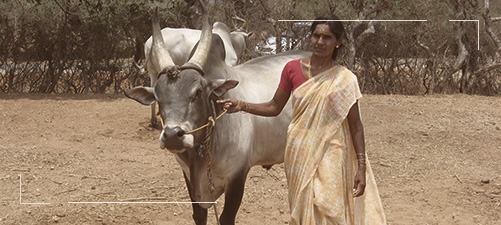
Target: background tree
(87, 46)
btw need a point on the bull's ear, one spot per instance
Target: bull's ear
(144, 95)
(220, 86)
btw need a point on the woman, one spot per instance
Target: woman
(325, 160)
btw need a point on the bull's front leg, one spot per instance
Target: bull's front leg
(199, 213)
(233, 198)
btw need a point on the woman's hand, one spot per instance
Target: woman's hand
(232, 105)
(359, 187)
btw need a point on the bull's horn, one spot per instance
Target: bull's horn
(159, 54)
(199, 58)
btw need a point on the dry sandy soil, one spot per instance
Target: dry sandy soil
(437, 160)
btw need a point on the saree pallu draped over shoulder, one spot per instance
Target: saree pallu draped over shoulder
(320, 160)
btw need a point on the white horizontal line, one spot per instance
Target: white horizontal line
(357, 20)
(23, 203)
(465, 20)
(20, 196)
(478, 29)
(140, 202)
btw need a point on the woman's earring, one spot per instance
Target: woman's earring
(337, 46)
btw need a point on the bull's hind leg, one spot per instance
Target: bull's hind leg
(199, 213)
(153, 81)
(233, 198)
(153, 120)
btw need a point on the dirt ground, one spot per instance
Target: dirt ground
(437, 160)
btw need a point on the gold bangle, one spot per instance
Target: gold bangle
(361, 158)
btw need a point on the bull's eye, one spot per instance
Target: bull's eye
(197, 95)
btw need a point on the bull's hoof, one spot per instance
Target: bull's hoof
(267, 167)
(156, 125)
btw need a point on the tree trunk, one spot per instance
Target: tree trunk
(463, 54)
(363, 13)
(488, 28)
(278, 39)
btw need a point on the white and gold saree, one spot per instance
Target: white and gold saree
(320, 161)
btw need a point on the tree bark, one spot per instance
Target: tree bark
(462, 61)
(488, 28)
(352, 42)
(494, 64)
(431, 67)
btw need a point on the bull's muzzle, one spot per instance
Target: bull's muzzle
(174, 133)
(175, 139)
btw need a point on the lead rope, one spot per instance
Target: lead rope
(208, 143)
(208, 140)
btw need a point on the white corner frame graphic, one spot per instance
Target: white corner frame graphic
(478, 24)
(20, 196)
(478, 29)
(355, 20)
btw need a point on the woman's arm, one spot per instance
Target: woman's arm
(271, 108)
(357, 134)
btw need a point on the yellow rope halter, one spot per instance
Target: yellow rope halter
(211, 122)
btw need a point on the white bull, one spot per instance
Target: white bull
(180, 42)
(239, 141)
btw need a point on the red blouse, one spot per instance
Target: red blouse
(292, 76)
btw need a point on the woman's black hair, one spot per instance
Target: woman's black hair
(335, 26)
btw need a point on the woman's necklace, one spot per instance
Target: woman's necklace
(318, 67)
